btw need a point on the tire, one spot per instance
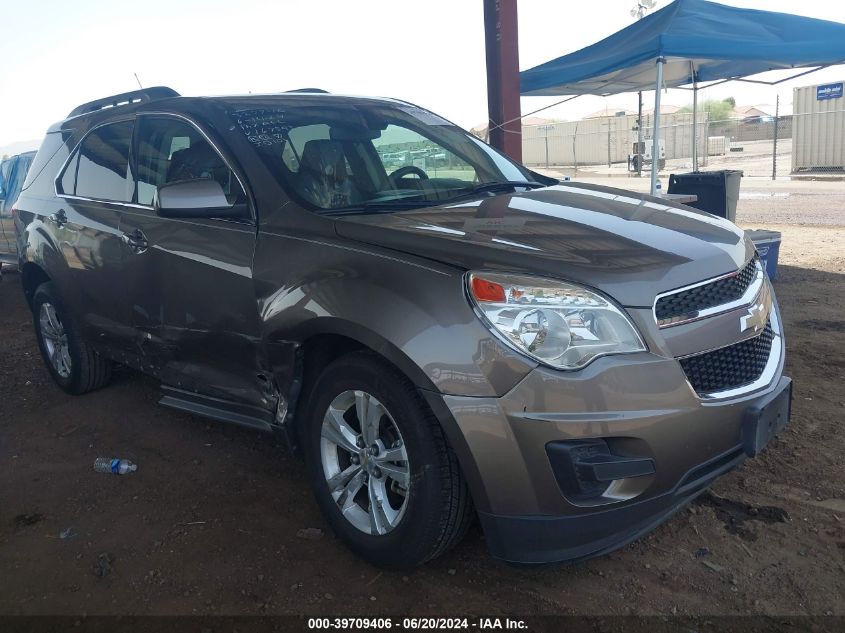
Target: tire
(436, 509)
(79, 369)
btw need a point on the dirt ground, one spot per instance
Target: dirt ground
(210, 523)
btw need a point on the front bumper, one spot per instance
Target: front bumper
(642, 405)
(553, 539)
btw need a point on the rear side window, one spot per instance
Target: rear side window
(41, 178)
(68, 180)
(99, 169)
(170, 150)
(50, 147)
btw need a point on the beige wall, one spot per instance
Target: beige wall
(592, 141)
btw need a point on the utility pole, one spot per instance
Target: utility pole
(639, 12)
(502, 47)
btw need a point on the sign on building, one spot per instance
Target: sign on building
(828, 91)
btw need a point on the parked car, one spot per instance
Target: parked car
(569, 362)
(13, 171)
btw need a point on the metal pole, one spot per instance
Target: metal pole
(775, 144)
(639, 151)
(546, 130)
(695, 126)
(655, 145)
(502, 48)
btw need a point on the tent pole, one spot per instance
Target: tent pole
(655, 135)
(695, 126)
(640, 153)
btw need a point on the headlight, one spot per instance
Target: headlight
(557, 323)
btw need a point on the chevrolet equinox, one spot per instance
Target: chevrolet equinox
(440, 331)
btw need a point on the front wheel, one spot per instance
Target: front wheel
(384, 475)
(72, 363)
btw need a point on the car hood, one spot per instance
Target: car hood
(628, 245)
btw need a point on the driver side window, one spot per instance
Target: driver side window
(399, 147)
(171, 150)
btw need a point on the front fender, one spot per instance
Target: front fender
(416, 315)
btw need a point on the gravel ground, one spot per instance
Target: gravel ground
(219, 520)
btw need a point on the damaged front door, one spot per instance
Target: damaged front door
(190, 279)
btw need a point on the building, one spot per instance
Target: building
(818, 128)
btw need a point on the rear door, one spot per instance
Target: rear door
(190, 283)
(93, 187)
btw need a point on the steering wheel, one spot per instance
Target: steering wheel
(405, 171)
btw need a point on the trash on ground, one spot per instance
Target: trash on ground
(22, 520)
(310, 534)
(102, 567)
(114, 466)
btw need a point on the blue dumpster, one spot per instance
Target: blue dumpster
(767, 244)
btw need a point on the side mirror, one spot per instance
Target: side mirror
(200, 198)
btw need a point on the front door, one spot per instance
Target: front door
(190, 284)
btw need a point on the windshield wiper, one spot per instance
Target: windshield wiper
(506, 184)
(499, 185)
(378, 206)
(403, 204)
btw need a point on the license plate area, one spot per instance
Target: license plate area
(767, 418)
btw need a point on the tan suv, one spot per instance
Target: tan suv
(568, 362)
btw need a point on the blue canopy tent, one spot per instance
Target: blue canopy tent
(686, 43)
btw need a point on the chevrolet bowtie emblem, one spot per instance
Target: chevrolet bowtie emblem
(755, 318)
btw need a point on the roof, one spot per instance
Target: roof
(700, 41)
(151, 99)
(750, 110)
(607, 112)
(665, 108)
(481, 128)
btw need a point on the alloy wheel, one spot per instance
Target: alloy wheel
(55, 339)
(365, 462)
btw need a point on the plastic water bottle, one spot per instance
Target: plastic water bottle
(658, 187)
(114, 466)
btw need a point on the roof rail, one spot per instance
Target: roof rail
(126, 98)
(318, 90)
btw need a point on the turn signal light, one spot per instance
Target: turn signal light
(487, 291)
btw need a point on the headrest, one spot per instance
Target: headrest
(324, 156)
(197, 161)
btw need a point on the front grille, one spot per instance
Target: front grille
(731, 366)
(687, 303)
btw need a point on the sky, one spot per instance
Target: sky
(60, 54)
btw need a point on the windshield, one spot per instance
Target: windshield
(359, 157)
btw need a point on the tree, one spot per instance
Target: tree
(716, 110)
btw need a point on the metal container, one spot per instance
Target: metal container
(818, 122)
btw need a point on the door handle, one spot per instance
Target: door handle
(59, 218)
(136, 240)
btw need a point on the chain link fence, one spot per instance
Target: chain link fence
(760, 146)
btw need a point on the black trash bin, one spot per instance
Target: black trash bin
(717, 191)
